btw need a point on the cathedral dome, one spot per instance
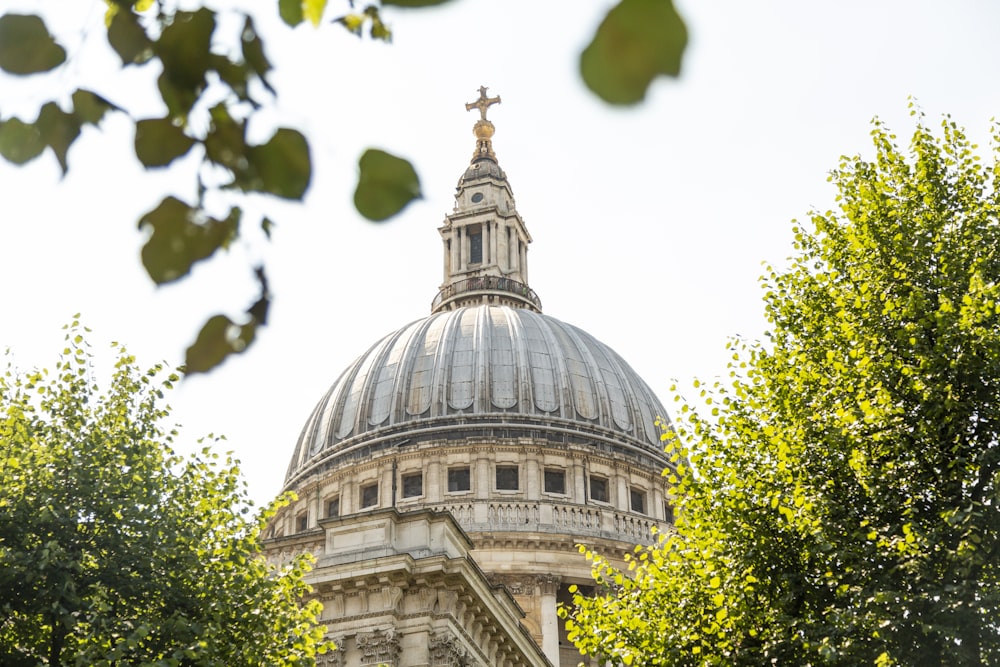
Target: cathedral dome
(479, 367)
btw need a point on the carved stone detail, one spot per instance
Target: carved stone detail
(380, 647)
(446, 651)
(334, 658)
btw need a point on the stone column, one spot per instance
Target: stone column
(487, 235)
(463, 251)
(494, 245)
(548, 586)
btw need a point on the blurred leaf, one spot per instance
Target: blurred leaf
(58, 130)
(184, 48)
(26, 47)
(386, 184)
(20, 142)
(313, 10)
(218, 338)
(90, 107)
(182, 235)
(267, 225)
(225, 144)
(379, 29)
(221, 337)
(352, 22)
(129, 39)
(235, 75)
(253, 53)
(637, 41)
(282, 166)
(291, 11)
(158, 142)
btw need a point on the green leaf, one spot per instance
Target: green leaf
(129, 39)
(282, 166)
(253, 53)
(386, 184)
(158, 142)
(184, 48)
(225, 143)
(58, 130)
(26, 47)
(291, 12)
(218, 338)
(313, 10)
(221, 337)
(20, 142)
(637, 41)
(90, 107)
(182, 235)
(234, 74)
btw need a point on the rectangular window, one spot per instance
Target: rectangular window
(458, 479)
(668, 512)
(475, 247)
(507, 478)
(598, 488)
(333, 507)
(369, 495)
(413, 485)
(302, 521)
(555, 481)
(638, 500)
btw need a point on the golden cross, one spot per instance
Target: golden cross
(483, 103)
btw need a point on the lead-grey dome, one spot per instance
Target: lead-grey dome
(481, 367)
(482, 168)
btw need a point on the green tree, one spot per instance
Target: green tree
(116, 551)
(201, 55)
(841, 507)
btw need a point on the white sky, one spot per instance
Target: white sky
(650, 224)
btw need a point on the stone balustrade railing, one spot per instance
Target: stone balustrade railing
(540, 516)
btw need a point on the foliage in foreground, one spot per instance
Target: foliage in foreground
(212, 76)
(115, 551)
(844, 508)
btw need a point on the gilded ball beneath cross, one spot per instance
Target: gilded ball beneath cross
(483, 129)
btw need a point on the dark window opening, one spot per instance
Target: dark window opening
(668, 512)
(638, 499)
(475, 248)
(333, 507)
(598, 489)
(302, 521)
(555, 481)
(507, 478)
(413, 485)
(458, 479)
(369, 495)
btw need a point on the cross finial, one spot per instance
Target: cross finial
(483, 103)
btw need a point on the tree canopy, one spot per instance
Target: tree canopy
(841, 506)
(114, 550)
(213, 82)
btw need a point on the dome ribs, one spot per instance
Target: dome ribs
(542, 367)
(581, 384)
(471, 371)
(503, 370)
(420, 368)
(460, 387)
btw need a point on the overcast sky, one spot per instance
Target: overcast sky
(650, 224)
